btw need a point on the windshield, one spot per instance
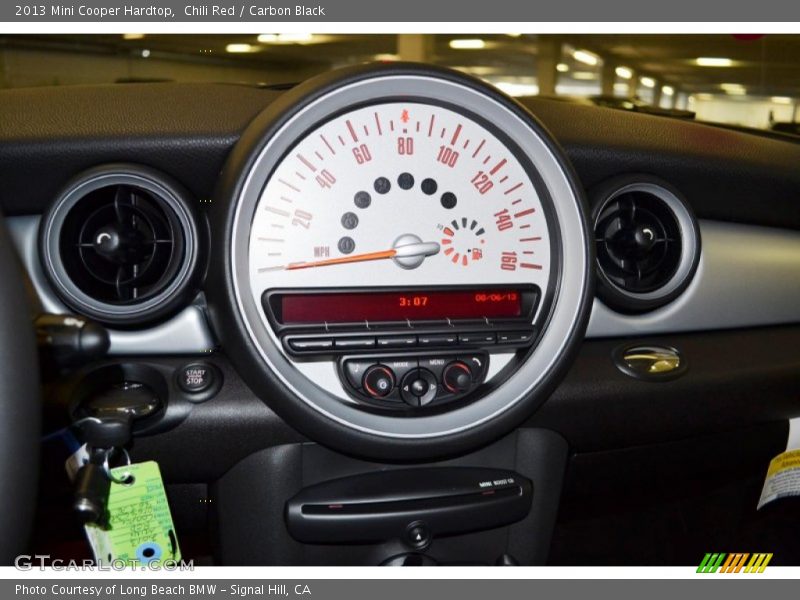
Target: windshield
(748, 80)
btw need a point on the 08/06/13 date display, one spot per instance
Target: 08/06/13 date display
(353, 307)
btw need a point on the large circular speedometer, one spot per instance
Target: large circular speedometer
(402, 263)
(401, 193)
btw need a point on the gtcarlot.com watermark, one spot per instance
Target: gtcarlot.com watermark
(29, 562)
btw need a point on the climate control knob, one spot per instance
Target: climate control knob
(457, 377)
(378, 381)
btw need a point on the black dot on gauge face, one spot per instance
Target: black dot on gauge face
(349, 220)
(429, 186)
(346, 245)
(362, 199)
(449, 200)
(382, 185)
(405, 181)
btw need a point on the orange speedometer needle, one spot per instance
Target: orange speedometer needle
(408, 251)
(343, 259)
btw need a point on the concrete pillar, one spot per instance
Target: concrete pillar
(608, 77)
(657, 94)
(415, 47)
(633, 83)
(547, 58)
(673, 101)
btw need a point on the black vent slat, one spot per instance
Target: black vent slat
(638, 242)
(122, 244)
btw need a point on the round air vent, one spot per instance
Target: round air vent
(120, 245)
(647, 242)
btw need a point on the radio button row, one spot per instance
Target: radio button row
(311, 344)
(414, 381)
(354, 343)
(515, 337)
(397, 341)
(438, 340)
(478, 339)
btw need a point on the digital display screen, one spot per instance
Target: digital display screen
(354, 307)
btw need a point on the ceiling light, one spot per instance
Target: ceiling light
(585, 57)
(145, 53)
(239, 48)
(132, 36)
(623, 72)
(584, 75)
(734, 89)
(467, 44)
(295, 37)
(285, 38)
(562, 67)
(707, 61)
(517, 89)
(386, 57)
(514, 35)
(781, 100)
(668, 90)
(648, 82)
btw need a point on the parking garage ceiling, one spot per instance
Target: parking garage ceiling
(764, 65)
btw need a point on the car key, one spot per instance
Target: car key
(92, 486)
(102, 436)
(106, 431)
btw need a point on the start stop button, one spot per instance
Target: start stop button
(199, 379)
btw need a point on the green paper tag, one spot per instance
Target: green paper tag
(140, 529)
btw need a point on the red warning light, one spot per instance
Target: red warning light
(404, 117)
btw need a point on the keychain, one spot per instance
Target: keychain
(124, 509)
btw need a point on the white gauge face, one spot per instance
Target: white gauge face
(399, 194)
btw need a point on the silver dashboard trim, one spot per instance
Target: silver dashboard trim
(187, 332)
(748, 276)
(741, 266)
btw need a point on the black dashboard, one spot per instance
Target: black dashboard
(661, 306)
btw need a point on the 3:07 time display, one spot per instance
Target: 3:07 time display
(412, 301)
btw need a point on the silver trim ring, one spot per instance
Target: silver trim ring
(566, 312)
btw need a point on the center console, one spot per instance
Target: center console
(305, 504)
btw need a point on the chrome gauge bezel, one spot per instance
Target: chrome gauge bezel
(503, 403)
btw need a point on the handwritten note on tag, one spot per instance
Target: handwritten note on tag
(140, 529)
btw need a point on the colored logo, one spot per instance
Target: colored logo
(737, 562)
